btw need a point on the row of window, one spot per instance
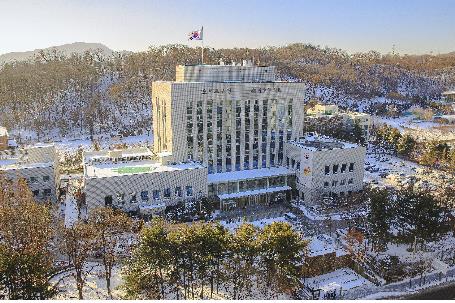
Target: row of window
(156, 195)
(336, 168)
(35, 180)
(335, 182)
(46, 192)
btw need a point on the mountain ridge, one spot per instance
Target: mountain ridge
(67, 49)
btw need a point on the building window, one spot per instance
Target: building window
(334, 183)
(35, 193)
(350, 181)
(335, 169)
(46, 178)
(189, 191)
(120, 197)
(108, 201)
(145, 195)
(327, 169)
(343, 168)
(326, 184)
(167, 193)
(47, 192)
(343, 182)
(156, 195)
(133, 198)
(178, 191)
(33, 180)
(351, 167)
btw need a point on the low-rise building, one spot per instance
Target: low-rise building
(325, 167)
(137, 180)
(320, 111)
(37, 164)
(449, 95)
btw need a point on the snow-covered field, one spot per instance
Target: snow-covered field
(95, 288)
(421, 130)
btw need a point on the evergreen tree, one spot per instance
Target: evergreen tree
(406, 145)
(281, 253)
(379, 217)
(241, 266)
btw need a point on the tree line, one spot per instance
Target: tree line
(436, 154)
(200, 260)
(159, 260)
(92, 94)
(407, 215)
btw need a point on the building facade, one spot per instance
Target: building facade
(449, 95)
(325, 167)
(228, 118)
(134, 180)
(38, 165)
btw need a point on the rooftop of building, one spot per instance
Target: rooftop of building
(234, 72)
(26, 157)
(234, 176)
(314, 142)
(102, 156)
(130, 161)
(123, 168)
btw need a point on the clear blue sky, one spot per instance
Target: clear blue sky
(414, 26)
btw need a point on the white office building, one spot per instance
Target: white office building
(234, 120)
(37, 164)
(137, 180)
(325, 167)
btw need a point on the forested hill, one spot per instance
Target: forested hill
(57, 95)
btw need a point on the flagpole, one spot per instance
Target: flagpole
(202, 49)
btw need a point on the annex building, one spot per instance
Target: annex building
(325, 167)
(136, 180)
(37, 164)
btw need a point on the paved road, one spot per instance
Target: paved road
(446, 292)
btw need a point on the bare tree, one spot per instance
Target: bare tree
(79, 244)
(112, 229)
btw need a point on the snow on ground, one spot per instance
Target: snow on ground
(71, 212)
(421, 130)
(95, 289)
(324, 244)
(312, 213)
(337, 281)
